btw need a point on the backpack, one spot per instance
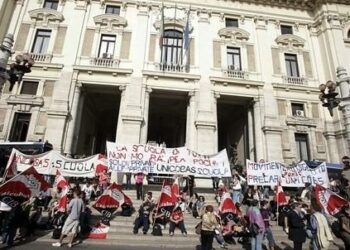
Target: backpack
(157, 230)
(336, 228)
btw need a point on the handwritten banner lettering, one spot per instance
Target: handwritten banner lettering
(159, 160)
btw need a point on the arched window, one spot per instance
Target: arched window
(172, 48)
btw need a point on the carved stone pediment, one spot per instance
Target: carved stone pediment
(46, 16)
(300, 121)
(178, 24)
(234, 33)
(110, 21)
(290, 40)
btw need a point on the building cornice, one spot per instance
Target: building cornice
(289, 87)
(237, 82)
(92, 70)
(165, 74)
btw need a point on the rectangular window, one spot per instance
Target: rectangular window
(234, 58)
(20, 127)
(231, 22)
(51, 4)
(41, 41)
(29, 88)
(302, 147)
(110, 9)
(107, 45)
(172, 48)
(286, 29)
(292, 65)
(298, 109)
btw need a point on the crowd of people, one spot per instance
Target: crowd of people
(301, 218)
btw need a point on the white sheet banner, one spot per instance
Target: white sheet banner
(270, 173)
(48, 163)
(150, 159)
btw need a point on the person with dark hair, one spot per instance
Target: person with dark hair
(75, 208)
(344, 221)
(139, 185)
(318, 230)
(177, 220)
(296, 225)
(209, 224)
(256, 225)
(265, 213)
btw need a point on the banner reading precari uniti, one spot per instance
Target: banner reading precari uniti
(270, 173)
(150, 159)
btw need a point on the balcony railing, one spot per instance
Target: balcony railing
(41, 57)
(172, 67)
(105, 62)
(294, 80)
(234, 73)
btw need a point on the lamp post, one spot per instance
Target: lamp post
(330, 100)
(21, 66)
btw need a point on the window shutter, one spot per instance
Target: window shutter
(276, 61)
(217, 54)
(152, 47)
(307, 64)
(48, 88)
(125, 47)
(22, 37)
(88, 40)
(315, 113)
(281, 107)
(251, 58)
(192, 51)
(60, 38)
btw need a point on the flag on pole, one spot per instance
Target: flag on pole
(62, 183)
(26, 184)
(227, 206)
(175, 188)
(187, 41)
(329, 201)
(161, 29)
(167, 200)
(11, 167)
(280, 198)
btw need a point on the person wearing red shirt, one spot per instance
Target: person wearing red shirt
(177, 219)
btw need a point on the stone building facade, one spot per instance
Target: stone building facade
(244, 77)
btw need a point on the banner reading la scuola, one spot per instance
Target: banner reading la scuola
(151, 159)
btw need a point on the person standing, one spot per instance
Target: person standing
(256, 220)
(139, 184)
(209, 224)
(265, 213)
(128, 181)
(344, 221)
(318, 230)
(296, 225)
(75, 208)
(236, 188)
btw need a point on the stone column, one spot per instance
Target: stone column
(190, 129)
(144, 130)
(5, 53)
(332, 147)
(251, 146)
(343, 81)
(72, 132)
(121, 109)
(259, 140)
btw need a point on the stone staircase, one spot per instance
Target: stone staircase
(121, 234)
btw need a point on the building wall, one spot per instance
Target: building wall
(319, 40)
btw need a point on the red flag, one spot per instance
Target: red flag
(167, 197)
(61, 182)
(101, 164)
(26, 184)
(280, 198)
(11, 167)
(175, 189)
(330, 201)
(227, 205)
(112, 197)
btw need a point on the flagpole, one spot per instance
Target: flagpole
(161, 39)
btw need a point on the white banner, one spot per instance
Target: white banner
(270, 173)
(150, 159)
(48, 163)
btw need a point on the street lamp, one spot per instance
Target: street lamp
(21, 66)
(328, 96)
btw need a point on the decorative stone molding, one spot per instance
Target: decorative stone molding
(27, 100)
(178, 24)
(291, 41)
(300, 121)
(110, 21)
(234, 33)
(46, 16)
